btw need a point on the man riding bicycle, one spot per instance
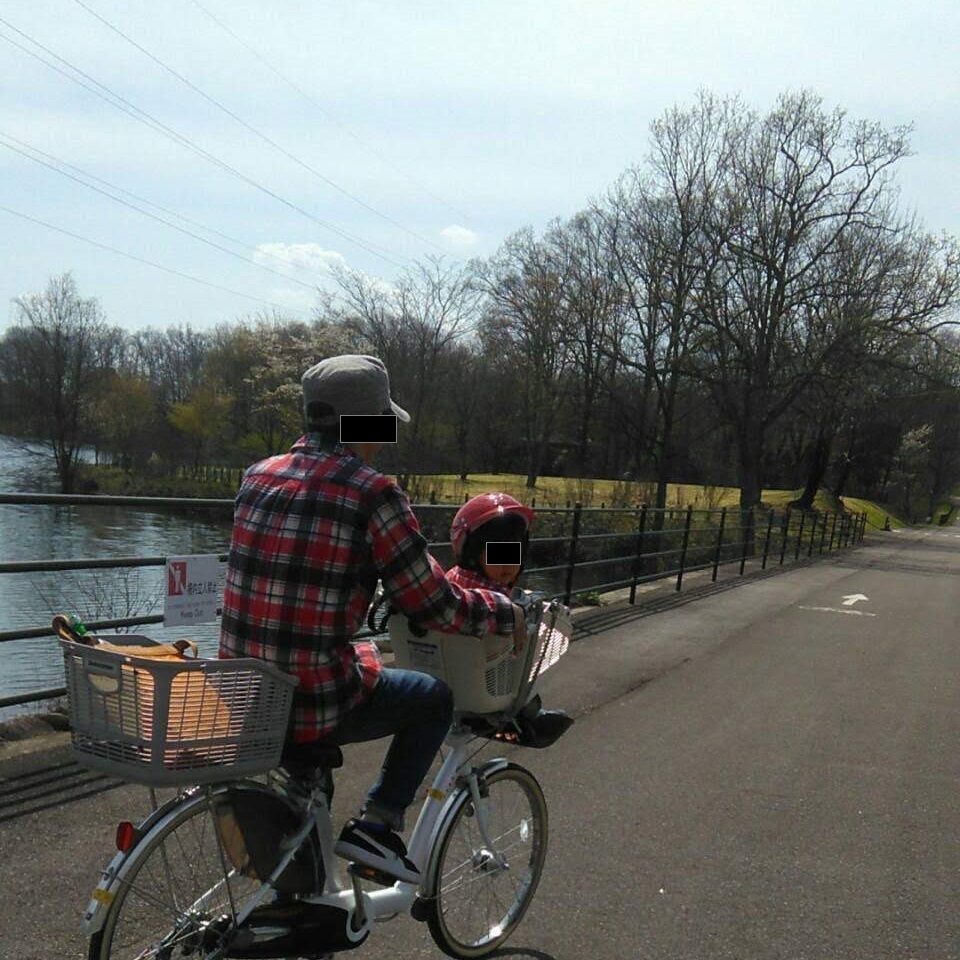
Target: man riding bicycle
(314, 529)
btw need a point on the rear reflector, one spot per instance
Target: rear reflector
(126, 836)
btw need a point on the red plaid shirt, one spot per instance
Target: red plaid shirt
(314, 529)
(469, 579)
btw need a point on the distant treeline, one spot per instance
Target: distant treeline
(748, 306)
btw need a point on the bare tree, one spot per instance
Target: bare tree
(411, 325)
(52, 357)
(527, 327)
(800, 182)
(172, 360)
(595, 322)
(656, 220)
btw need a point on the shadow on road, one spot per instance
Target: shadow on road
(892, 565)
(590, 624)
(51, 786)
(522, 952)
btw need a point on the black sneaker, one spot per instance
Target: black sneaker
(381, 851)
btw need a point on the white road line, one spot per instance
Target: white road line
(852, 613)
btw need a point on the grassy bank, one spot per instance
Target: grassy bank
(548, 492)
(116, 482)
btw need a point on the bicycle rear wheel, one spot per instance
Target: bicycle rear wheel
(480, 891)
(175, 900)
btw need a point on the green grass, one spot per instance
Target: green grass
(557, 491)
(115, 482)
(877, 513)
(548, 492)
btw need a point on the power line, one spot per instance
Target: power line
(149, 263)
(115, 100)
(152, 216)
(329, 116)
(156, 206)
(254, 130)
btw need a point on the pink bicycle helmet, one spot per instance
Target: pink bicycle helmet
(480, 510)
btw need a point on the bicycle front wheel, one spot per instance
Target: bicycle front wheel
(483, 880)
(176, 898)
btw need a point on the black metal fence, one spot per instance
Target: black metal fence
(587, 550)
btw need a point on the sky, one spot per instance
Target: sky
(290, 136)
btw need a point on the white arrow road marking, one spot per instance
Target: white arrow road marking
(852, 613)
(852, 598)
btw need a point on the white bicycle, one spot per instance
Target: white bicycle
(232, 868)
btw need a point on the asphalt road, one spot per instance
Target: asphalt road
(759, 769)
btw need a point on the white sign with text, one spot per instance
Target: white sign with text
(191, 595)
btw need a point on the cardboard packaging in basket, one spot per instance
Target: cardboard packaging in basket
(164, 720)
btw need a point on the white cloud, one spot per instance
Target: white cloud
(309, 256)
(459, 236)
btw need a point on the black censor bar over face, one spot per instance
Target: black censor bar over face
(503, 552)
(361, 428)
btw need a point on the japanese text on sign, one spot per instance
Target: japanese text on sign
(192, 586)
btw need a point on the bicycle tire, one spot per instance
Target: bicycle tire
(470, 885)
(175, 886)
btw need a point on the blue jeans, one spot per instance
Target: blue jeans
(417, 709)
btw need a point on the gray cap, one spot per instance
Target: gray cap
(349, 384)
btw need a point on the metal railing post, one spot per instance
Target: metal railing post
(683, 549)
(641, 530)
(803, 518)
(823, 533)
(786, 533)
(766, 544)
(716, 555)
(572, 560)
(833, 530)
(813, 536)
(747, 540)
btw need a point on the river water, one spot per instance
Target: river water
(72, 532)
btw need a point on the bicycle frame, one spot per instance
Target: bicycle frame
(388, 901)
(364, 906)
(357, 907)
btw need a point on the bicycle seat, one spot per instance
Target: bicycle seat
(317, 753)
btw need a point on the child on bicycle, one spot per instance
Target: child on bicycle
(500, 519)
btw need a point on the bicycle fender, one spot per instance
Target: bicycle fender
(446, 815)
(115, 872)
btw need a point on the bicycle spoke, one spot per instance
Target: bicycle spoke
(487, 879)
(175, 889)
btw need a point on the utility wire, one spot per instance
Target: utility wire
(149, 263)
(60, 162)
(153, 216)
(329, 116)
(115, 100)
(257, 133)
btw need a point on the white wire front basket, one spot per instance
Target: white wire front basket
(175, 723)
(483, 673)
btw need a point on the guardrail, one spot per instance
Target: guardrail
(665, 543)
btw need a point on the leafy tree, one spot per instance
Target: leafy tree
(123, 417)
(202, 419)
